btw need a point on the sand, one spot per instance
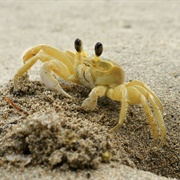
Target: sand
(143, 37)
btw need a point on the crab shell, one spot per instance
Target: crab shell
(99, 72)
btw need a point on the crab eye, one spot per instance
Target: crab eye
(78, 45)
(98, 49)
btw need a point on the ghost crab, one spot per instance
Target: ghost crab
(103, 76)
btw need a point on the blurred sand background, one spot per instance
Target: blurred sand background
(144, 37)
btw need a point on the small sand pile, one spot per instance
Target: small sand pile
(51, 140)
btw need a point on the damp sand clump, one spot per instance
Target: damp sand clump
(46, 138)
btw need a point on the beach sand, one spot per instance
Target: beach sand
(142, 37)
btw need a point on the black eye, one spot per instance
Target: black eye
(78, 45)
(98, 49)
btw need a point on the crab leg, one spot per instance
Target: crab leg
(91, 102)
(150, 119)
(159, 117)
(120, 94)
(24, 69)
(64, 57)
(138, 83)
(43, 53)
(29, 63)
(157, 112)
(50, 81)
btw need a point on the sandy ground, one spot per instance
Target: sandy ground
(143, 37)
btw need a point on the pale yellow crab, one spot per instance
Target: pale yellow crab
(103, 76)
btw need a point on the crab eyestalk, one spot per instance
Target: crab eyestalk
(78, 45)
(98, 51)
(79, 49)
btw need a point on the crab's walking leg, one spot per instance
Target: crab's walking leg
(91, 102)
(159, 118)
(142, 85)
(122, 96)
(24, 69)
(157, 112)
(49, 52)
(150, 119)
(50, 81)
(43, 53)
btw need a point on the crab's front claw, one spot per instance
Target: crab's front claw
(49, 80)
(91, 102)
